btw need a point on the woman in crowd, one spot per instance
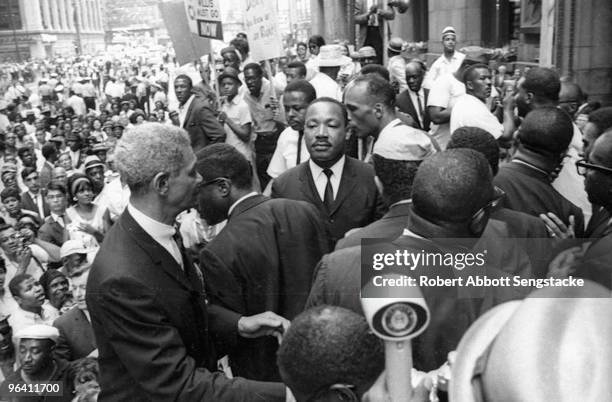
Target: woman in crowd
(87, 219)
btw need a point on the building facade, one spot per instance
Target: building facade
(569, 35)
(49, 28)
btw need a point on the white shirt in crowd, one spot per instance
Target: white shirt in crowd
(470, 111)
(441, 67)
(444, 93)
(320, 179)
(325, 86)
(78, 104)
(237, 111)
(397, 71)
(285, 154)
(182, 110)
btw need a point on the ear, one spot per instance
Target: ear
(378, 110)
(161, 183)
(469, 85)
(529, 97)
(224, 187)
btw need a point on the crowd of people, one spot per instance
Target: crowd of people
(194, 233)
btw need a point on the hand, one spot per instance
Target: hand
(557, 229)
(24, 256)
(222, 117)
(86, 227)
(509, 101)
(263, 324)
(562, 266)
(405, 118)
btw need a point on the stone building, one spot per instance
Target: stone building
(571, 36)
(48, 28)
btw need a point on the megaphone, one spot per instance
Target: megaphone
(396, 316)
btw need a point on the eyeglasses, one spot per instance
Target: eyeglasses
(215, 180)
(582, 166)
(480, 218)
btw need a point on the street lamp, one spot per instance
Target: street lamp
(12, 20)
(76, 20)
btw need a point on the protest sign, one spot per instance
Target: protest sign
(204, 18)
(261, 23)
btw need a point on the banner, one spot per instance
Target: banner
(204, 17)
(187, 45)
(261, 23)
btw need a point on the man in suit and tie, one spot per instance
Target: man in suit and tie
(289, 243)
(342, 188)
(33, 199)
(413, 100)
(196, 116)
(158, 337)
(53, 229)
(76, 338)
(49, 152)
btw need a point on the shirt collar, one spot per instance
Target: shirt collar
(157, 230)
(188, 103)
(239, 200)
(336, 168)
(391, 124)
(56, 217)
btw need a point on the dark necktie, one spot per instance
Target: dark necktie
(298, 159)
(328, 198)
(421, 118)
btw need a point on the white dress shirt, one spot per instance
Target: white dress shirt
(183, 110)
(320, 179)
(160, 232)
(285, 154)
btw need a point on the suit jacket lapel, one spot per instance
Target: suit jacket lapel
(347, 182)
(307, 185)
(158, 254)
(188, 115)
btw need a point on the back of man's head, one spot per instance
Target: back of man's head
(396, 177)
(304, 87)
(546, 131)
(544, 83)
(223, 160)
(326, 346)
(48, 150)
(479, 140)
(601, 118)
(148, 149)
(376, 69)
(378, 90)
(451, 186)
(299, 66)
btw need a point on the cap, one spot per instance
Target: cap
(8, 168)
(38, 331)
(367, 51)
(448, 31)
(395, 45)
(100, 146)
(230, 72)
(92, 161)
(72, 247)
(414, 145)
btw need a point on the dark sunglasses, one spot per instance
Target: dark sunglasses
(480, 218)
(582, 166)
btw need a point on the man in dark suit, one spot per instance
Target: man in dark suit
(49, 152)
(76, 337)
(196, 116)
(413, 101)
(289, 243)
(53, 229)
(33, 199)
(544, 137)
(595, 264)
(452, 198)
(157, 335)
(342, 188)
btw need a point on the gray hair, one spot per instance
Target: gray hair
(148, 149)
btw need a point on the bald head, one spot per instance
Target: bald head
(451, 186)
(329, 345)
(570, 97)
(415, 72)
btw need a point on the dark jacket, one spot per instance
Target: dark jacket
(76, 338)
(264, 260)
(202, 125)
(405, 105)
(357, 202)
(157, 337)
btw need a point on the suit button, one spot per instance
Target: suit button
(331, 220)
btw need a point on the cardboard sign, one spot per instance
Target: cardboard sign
(265, 40)
(204, 18)
(188, 46)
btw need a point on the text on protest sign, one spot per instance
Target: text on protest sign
(261, 22)
(204, 17)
